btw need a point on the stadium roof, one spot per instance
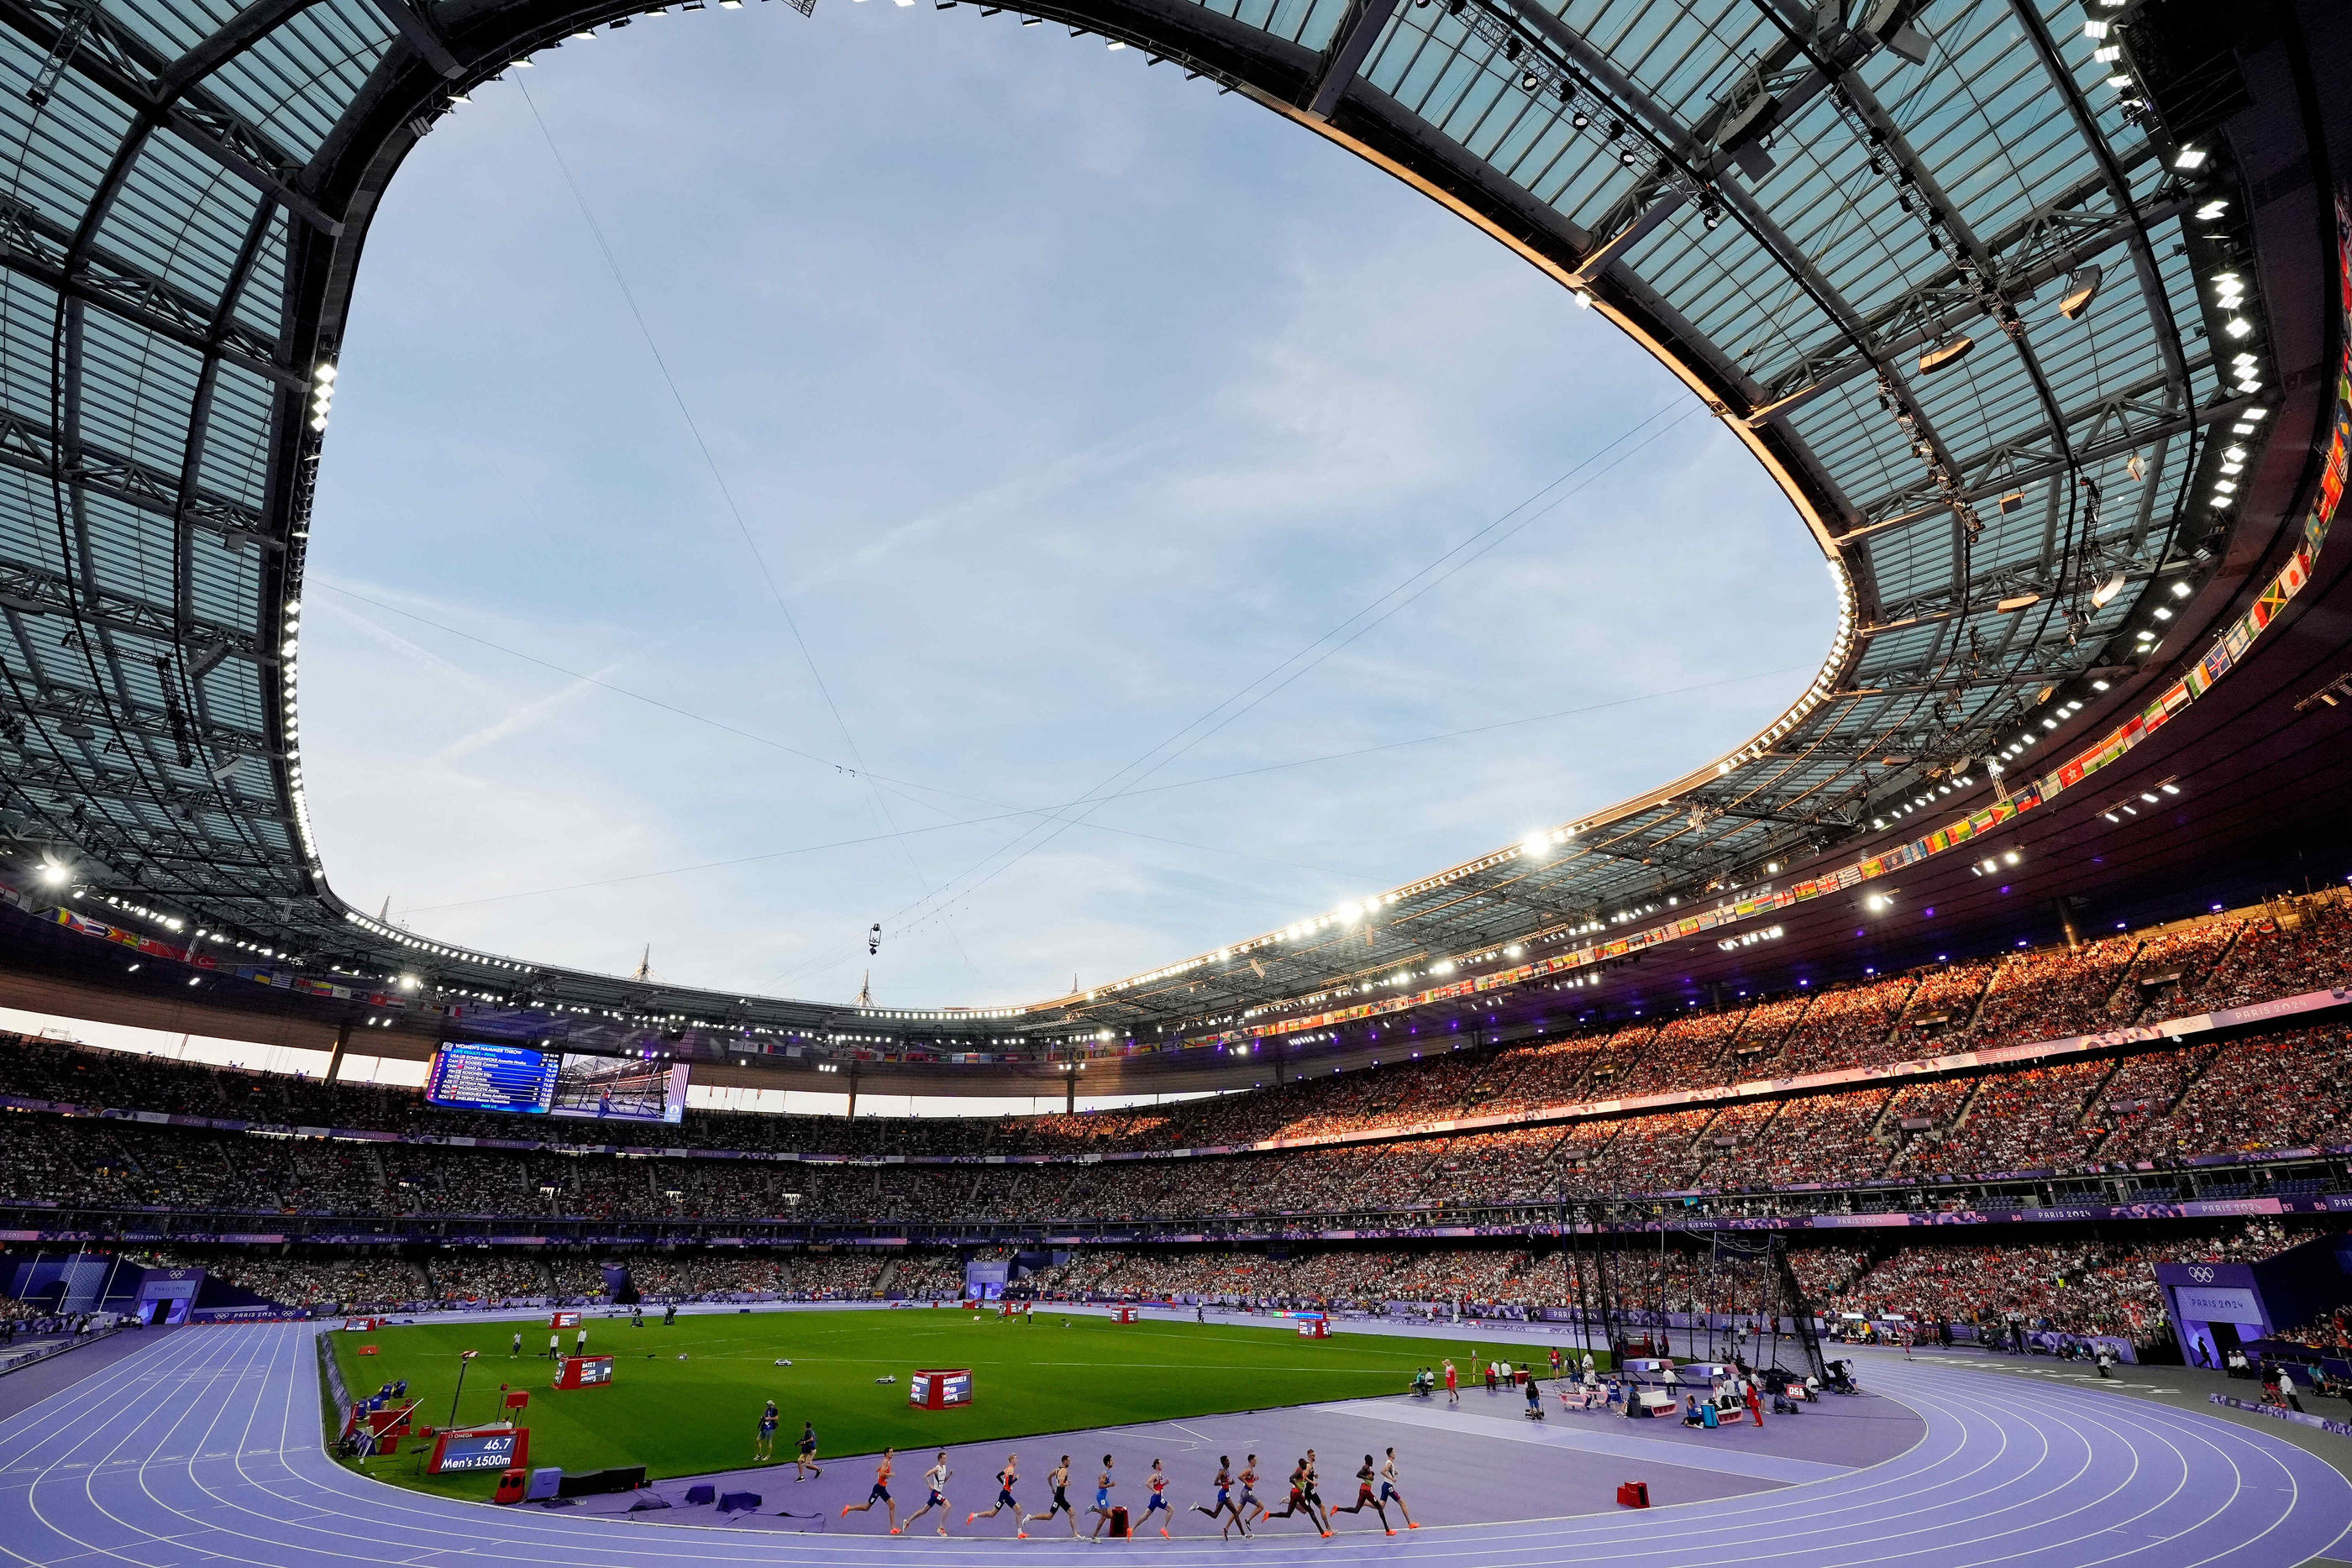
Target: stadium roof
(1971, 279)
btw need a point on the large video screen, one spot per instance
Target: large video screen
(467, 1076)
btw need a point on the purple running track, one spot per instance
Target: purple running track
(203, 1448)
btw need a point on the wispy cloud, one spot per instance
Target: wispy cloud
(1067, 399)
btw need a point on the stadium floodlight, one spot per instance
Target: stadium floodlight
(1946, 355)
(2189, 158)
(52, 874)
(2082, 288)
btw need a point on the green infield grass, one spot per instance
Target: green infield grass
(685, 1400)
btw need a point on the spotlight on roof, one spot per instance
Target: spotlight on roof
(52, 874)
(2101, 595)
(1943, 356)
(2082, 286)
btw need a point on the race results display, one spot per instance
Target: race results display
(491, 1078)
(474, 1076)
(480, 1448)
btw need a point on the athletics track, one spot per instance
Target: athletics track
(202, 1448)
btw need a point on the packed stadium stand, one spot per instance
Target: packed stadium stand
(128, 1143)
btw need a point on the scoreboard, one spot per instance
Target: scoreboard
(491, 1078)
(583, 1371)
(476, 1076)
(464, 1448)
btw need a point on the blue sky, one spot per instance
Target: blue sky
(1060, 400)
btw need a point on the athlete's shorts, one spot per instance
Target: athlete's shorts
(1102, 1497)
(1004, 1498)
(1156, 1501)
(1387, 1492)
(1249, 1499)
(1312, 1498)
(1223, 1497)
(1061, 1503)
(879, 1494)
(937, 1500)
(807, 1448)
(1363, 1496)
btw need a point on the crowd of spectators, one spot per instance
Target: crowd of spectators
(2305, 947)
(1686, 1049)
(2285, 1091)
(2288, 1091)
(2079, 1286)
(1945, 1004)
(2083, 1289)
(2173, 965)
(1825, 1140)
(2026, 1120)
(2048, 993)
(1849, 1028)
(2033, 994)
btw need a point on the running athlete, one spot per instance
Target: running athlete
(1297, 1494)
(1004, 1479)
(1249, 1495)
(517, 1345)
(1388, 1492)
(1364, 1498)
(765, 1450)
(881, 1492)
(1059, 1478)
(1224, 1503)
(1313, 1498)
(1453, 1384)
(1158, 1502)
(1101, 1509)
(936, 1480)
(806, 1466)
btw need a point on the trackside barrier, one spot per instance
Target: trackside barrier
(332, 1376)
(2321, 1423)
